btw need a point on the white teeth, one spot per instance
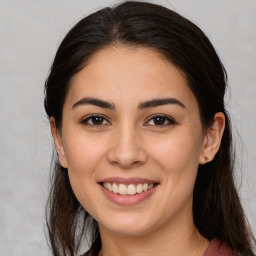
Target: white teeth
(109, 187)
(130, 189)
(122, 189)
(139, 188)
(145, 187)
(150, 186)
(115, 188)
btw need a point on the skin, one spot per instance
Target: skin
(130, 143)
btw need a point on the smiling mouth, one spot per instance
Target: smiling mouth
(129, 189)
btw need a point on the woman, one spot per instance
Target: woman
(135, 99)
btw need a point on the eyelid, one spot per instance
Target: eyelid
(171, 120)
(85, 119)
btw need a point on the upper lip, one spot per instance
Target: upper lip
(127, 181)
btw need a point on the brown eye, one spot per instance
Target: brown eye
(160, 120)
(95, 120)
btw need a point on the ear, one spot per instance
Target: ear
(58, 143)
(212, 139)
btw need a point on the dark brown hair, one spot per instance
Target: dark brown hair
(217, 210)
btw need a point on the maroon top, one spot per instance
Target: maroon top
(218, 248)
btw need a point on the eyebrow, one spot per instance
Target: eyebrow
(160, 102)
(141, 106)
(95, 102)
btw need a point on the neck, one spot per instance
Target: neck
(179, 240)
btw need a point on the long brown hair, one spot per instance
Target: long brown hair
(217, 210)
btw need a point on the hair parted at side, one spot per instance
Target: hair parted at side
(217, 210)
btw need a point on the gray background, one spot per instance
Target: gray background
(30, 33)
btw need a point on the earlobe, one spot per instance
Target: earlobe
(212, 139)
(58, 143)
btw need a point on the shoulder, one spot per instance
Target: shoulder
(218, 248)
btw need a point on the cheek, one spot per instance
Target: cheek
(82, 153)
(178, 159)
(179, 153)
(83, 158)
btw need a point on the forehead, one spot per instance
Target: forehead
(121, 74)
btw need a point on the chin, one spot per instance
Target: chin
(128, 226)
(129, 231)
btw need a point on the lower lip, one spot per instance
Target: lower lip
(127, 199)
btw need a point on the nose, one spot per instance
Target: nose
(126, 148)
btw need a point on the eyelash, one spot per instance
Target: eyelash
(170, 121)
(86, 120)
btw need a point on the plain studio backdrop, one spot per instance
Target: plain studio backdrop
(30, 34)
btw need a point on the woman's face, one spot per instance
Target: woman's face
(130, 122)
